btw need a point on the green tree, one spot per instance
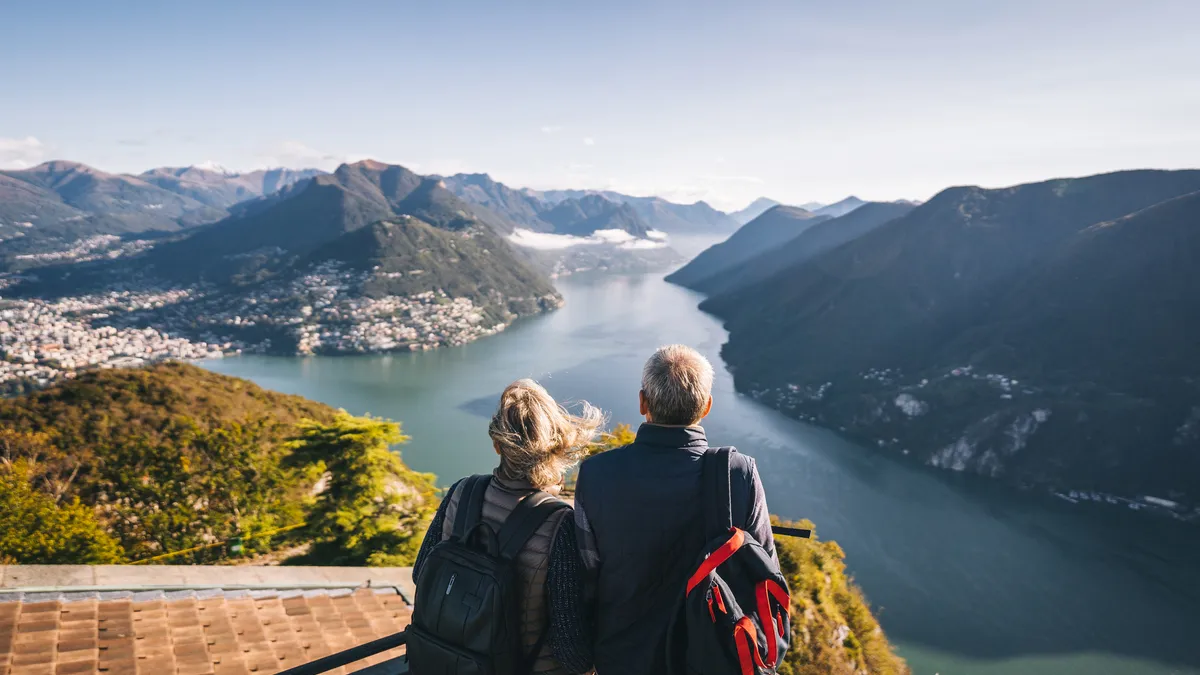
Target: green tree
(192, 485)
(372, 509)
(34, 529)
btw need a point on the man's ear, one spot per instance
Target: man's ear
(707, 408)
(643, 409)
(496, 447)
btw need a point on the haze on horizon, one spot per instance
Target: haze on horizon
(724, 102)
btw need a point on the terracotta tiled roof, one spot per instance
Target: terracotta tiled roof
(193, 633)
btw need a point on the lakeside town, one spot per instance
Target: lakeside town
(322, 312)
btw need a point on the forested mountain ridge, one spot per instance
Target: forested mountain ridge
(980, 332)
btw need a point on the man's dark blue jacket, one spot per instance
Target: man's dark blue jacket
(639, 513)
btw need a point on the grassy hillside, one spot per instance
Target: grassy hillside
(833, 629)
(170, 457)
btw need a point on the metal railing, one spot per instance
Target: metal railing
(397, 666)
(217, 550)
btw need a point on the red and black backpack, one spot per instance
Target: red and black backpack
(735, 615)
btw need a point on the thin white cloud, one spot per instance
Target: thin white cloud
(20, 153)
(551, 129)
(589, 141)
(735, 179)
(545, 241)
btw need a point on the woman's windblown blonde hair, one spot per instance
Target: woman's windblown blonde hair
(538, 439)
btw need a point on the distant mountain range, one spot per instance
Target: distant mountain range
(776, 226)
(371, 257)
(839, 208)
(1043, 333)
(55, 204)
(579, 216)
(821, 235)
(658, 213)
(58, 202)
(759, 206)
(411, 217)
(221, 189)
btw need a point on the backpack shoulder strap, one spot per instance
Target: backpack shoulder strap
(470, 505)
(718, 513)
(529, 515)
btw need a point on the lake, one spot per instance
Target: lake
(966, 577)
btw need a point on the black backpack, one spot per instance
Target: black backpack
(735, 614)
(467, 619)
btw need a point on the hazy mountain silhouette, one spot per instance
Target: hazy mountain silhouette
(777, 225)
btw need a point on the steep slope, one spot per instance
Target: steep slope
(1083, 374)
(777, 225)
(1002, 332)
(815, 240)
(590, 213)
(406, 256)
(885, 298)
(222, 190)
(755, 209)
(838, 209)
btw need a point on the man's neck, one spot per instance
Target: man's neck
(695, 425)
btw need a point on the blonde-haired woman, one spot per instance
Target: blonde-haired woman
(537, 441)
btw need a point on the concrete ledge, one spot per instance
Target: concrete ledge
(132, 577)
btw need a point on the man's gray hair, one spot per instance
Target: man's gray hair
(677, 383)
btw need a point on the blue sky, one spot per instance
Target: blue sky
(722, 101)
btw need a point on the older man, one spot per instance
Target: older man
(639, 511)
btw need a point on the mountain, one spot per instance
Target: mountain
(475, 266)
(840, 208)
(813, 241)
(812, 206)
(757, 207)
(282, 229)
(958, 331)
(591, 213)
(777, 225)
(659, 214)
(222, 189)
